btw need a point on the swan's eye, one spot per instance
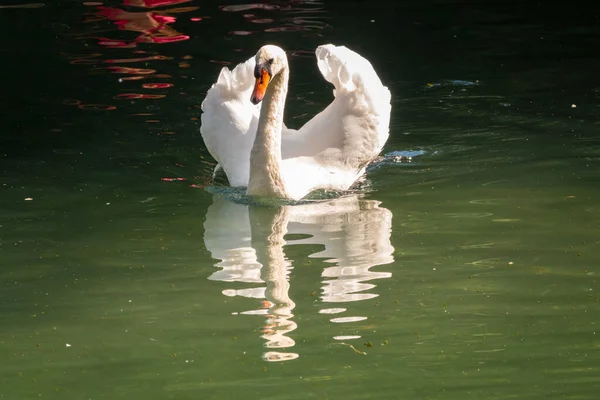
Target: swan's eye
(270, 61)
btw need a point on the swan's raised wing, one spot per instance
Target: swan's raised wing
(352, 130)
(229, 121)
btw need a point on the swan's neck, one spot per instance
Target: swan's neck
(265, 158)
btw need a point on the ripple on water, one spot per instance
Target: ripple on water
(152, 25)
(97, 107)
(30, 5)
(131, 96)
(157, 85)
(469, 215)
(280, 18)
(347, 337)
(332, 310)
(344, 320)
(275, 356)
(130, 70)
(239, 195)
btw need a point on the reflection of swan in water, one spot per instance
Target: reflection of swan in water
(249, 240)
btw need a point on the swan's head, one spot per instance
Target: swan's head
(270, 60)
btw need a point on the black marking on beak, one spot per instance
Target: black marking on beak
(259, 67)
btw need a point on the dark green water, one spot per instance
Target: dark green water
(468, 271)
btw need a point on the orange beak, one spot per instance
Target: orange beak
(260, 87)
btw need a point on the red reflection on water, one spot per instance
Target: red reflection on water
(153, 3)
(114, 43)
(139, 96)
(126, 70)
(138, 59)
(252, 18)
(152, 25)
(287, 29)
(244, 7)
(84, 59)
(156, 85)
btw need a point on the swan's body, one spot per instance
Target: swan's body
(254, 147)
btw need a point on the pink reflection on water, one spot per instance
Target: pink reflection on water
(244, 7)
(109, 43)
(173, 179)
(152, 23)
(138, 59)
(92, 107)
(126, 70)
(252, 18)
(153, 26)
(287, 29)
(131, 96)
(153, 3)
(157, 85)
(240, 33)
(84, 59)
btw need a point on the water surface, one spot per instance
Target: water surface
(466, 266)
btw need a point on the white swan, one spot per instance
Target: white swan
(255, 148)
